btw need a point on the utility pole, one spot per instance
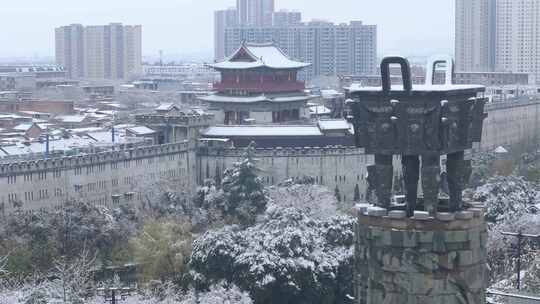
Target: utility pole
(520, 236)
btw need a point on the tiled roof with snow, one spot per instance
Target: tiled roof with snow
(165, 107)
(333, 124)
(261, 131)
(141, 130)
(262, 55)
(71, 118)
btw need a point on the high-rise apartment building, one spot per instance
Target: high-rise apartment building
(498, 35)
(69, 41)
(246, 13)
(332, 49)
(222, 20)
(474, 35)
(111, 51)
(518, 37)
(255, 12)
(286, 18)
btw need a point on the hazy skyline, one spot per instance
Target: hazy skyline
(414, 27)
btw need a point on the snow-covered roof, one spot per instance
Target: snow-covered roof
(26, 126)
(319, 110)
(9, 116)
(166, 107)
(330, 93)
(333, 125)
(34, 113)
(253, 99)
(71, 118)
(259, 55)
(500, 150)
(85, 130)
(141, 130)
(255, 131)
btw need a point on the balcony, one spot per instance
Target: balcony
(258, 87)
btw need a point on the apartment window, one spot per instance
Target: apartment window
(12, 197)
(57, 174)
(28, 177)
(78, 171)
(42, 175)
(12, 179)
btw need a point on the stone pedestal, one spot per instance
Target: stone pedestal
(421, 260)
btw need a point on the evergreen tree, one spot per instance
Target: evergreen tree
(337, 194)
(243, 190)
(356, 193)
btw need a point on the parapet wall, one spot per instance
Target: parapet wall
(184, 120)
(428, 260)
(284, 152)
(52, 164)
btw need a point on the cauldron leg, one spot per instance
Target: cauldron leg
(411, 174)
(458, 173)
(384, 178)
(430, 182)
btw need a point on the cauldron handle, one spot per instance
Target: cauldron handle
(405, 73)
(432, 65)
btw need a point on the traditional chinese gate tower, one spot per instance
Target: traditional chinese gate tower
(426, 252)
(259, 84)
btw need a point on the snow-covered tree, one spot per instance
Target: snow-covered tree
(313, 200)
(288, 258)
(512, 206)
(243, 190)
(506, 197)
(219, 293)
(337, 194)
(239, 199)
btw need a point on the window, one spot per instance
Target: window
(28, 177)
(12, 197)
(78, 171)
(12, 179)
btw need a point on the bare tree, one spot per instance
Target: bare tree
(74, 278)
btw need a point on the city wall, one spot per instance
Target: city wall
(511, 123)
(343, 168)
(102, 179)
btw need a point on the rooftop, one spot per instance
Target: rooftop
(251, 56)
(334, 124)
(262, 131)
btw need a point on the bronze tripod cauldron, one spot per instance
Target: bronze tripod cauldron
(420, 123)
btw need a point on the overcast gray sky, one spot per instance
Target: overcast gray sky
(409, 27)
